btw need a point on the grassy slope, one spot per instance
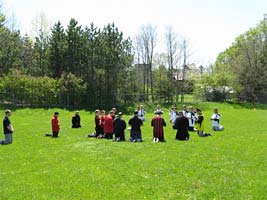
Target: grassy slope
(230, 165)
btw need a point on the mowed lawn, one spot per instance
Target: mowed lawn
(229, 165)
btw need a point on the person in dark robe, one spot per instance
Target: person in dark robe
(76, 120)
(181, 124)
(158, 123)
(119, 128)
(135, 123)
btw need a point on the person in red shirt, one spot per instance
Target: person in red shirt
(158, 123)
(102, 118)
(55, 125)
(108, 126)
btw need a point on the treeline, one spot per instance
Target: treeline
(97, 60)
(241, 70)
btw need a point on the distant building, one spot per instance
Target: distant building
(191, 72)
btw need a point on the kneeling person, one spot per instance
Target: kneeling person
(215, 120)
(119, 127)
(76, 120)
(158, 123)
(181, 124)
(135, 123)
(8, 128)
(200, 125)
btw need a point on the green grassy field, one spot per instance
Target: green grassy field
(229, 165)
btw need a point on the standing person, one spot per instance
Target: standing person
(76, 120)
(200, 124)
(141, 113)
(108, 125)
(191, 116)
(158, 123)
(8, 128)
(135, 123)
(55, 125)
(181, 124)
(119, 127)
(173, 115)
(215, 120)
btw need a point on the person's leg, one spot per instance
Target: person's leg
(190, 128)
(109, 136)
(54, 134)
(161, 139)
(201, 134)
(218, 128)
(8, 138)
(131, 136)
(138, 136)
(122, 136)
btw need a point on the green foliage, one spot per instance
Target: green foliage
(163, 87)
(229, 165)
(245, 61)
(214, 87)
(57, 45)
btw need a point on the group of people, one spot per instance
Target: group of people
(184, 121)
(190, 120)
(108, 125)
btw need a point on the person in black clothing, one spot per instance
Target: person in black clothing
(8, 128)
(76, 120)
(99, 133)
(181, 124)
(119, 127)
(135, 123)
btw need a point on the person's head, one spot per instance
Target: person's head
(103, 112)
(158, 106)
(56, 114)
(175, 109)
(8, 113)
(97, 112)
(216, 110)
(120, 115)
(111, 113)
(198, 111)
(180, 114)
(191, 109)
(184, 107)
(114, 110)
(141, 107)
(135, 112)
(77, 113)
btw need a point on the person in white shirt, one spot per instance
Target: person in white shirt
(184, 111)
(158, 109)
(173, 115)
(141, 113)
(191, 116)
(215, 120)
